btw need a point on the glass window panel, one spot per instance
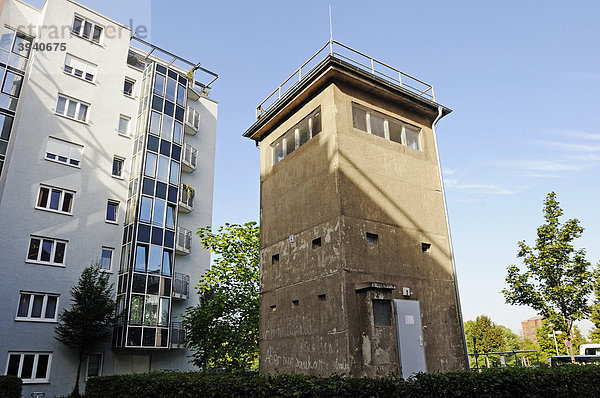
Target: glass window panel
(177, 132)
(153, 282)
(77, 22)
(117, 168)
(55, 199)
(59, 255)
(137, 308)
(170, 219)
(169, 108)
(94, 365)
(158, 217)
(60, 106)
(27, 369)
(166, 266)
(167, 126)
(159, 84)
(23, 305)
(36, 309)
(377, 125)
(412, 137)
(128, 87)
(82, 114)
(87, 28)
(12, 84)
(163, 319)
(155, 123)
(22, 45)
(111, 211)
(67, 202)
(72, 106)
(290, 142)
(13, 364)
(42, 366)
(170, 92)
(34, 248)
(146, 209)
(97, 34)
(278, 151)
(7, 39)
(174, 174)
(123, 125)
(180, 95)
(154, 259)
(43, 197)
(163, 169)
(46, 250)
(141, 254)
(150, 169)
(106, 260)
(51, 307)
(151, 310)
(6, 122)
(395, 129)
(157, 103)
(139, 283)
(359, 118)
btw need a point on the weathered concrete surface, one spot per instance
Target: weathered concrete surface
(338, 186)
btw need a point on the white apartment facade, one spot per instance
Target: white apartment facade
(106, 154)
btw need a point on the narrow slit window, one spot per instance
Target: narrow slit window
(275, 259)
(372, 238)
(316, 243)
(322, 297)
(426, 247)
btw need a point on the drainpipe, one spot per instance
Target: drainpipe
(458, 306)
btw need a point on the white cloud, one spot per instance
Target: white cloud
(489, 189)
(540, 165)
(578, 134)
(449, 172)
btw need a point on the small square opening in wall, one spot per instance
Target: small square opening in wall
(275, 259)
(322, 297)
(273, 308)
(382, 313)
(426, 247)
(372, 238)
(295, 303)
(316, 243)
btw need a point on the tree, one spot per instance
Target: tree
(90, 317)
(557, 280)
(223, 327)
(545, 337)
(488, 338)
(595, 309)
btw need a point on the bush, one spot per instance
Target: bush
(565, 381)
(10, 387)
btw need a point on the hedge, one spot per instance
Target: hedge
(10, 387)
(564, 381)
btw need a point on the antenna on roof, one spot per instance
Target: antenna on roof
(330, 32)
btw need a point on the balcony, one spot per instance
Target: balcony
(190, 158)
(183, 245)
(186, 198)
(178, 335)
(192, 121)
(181, 286)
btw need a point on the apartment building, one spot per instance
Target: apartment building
(106, 154)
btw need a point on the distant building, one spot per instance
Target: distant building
(530, 326)
(357, 274)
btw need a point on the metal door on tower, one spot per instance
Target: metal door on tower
(411, 349)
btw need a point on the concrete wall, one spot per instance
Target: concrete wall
(340, 185)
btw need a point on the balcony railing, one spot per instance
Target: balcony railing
(181, 286)
(178, 335)
(192, 121)
(186, 198)
(183, 245)
(190, 158)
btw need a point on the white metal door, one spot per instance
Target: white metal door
(410, 337)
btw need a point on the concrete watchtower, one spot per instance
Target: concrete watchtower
(357, 271)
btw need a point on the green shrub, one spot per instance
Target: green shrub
(10, 387)
(565, 381)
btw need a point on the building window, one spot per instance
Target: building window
(87, 29)
(383, 126)
(382, 313)
(15, 48)
(31, 367)
(94, 364)
(316, 243)
(124, 125)
(72, 108)
(112, 208)
(117, 167)
(297, 136)
(106, 260)
(193, 118)
(55, 199)
(128, 87)
(372, 238)
(64, 152)
(47, 251)
(80, 68)
(37, 307)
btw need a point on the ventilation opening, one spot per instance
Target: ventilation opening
(275, 259)
(322, 297)
(273, 308)
(382, 313)
(316, 243)
(295, 303)
(426, 247)
(372, 238)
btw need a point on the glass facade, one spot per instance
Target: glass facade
(148, 252)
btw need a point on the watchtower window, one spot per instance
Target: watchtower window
(297, 136)
(384, 126)
(426, 247)
(316, 243)
(372, 238)
(275, 259)
(382, 313)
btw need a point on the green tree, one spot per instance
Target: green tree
(545, 337)
(223, 327)
(488, 338)
(557, 280)
(90, 317)
(595, 309)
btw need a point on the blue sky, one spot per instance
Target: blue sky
(523, 80)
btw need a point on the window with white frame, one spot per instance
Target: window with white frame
(72, 108)
(87, 29)
(64, 152)
(46, 251)
(124, 125)
(35, 306)
(80, 68)
(112, 208)
(193, 118)
(106, 259)
(128, 87)
(384, 126)
(55, 199)
(94, 364)
(31, 367)
(117, 167)
(297, 136)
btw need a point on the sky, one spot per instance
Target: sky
(522, 78)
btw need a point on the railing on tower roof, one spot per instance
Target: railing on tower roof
(341, 51)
